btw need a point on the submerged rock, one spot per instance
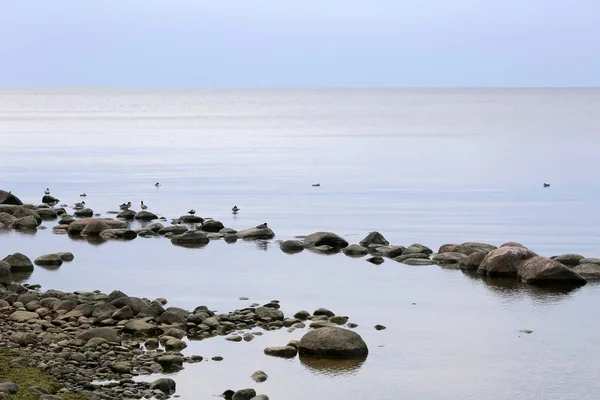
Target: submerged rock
(190, 238)
(292, 246)
(281, 351)
(374, 238)
(588, 271)
(474, 247)
(355, 250)
(49, 259)
(449, 258)
(125, 234)
(390, 251)
(256, 234)
(417, 248)
(570, 260)
(473, 261)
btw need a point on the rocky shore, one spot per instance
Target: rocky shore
(80, 341)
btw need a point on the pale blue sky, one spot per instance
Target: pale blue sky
(300, 43)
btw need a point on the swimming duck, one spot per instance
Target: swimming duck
(83, 195)
(125, 206)
(143, 206)
(262, 226)
(316, 184)
(157, 184)
(47, 191)
(235, 209)
(546, 185)
(192, 212)
(79, 206)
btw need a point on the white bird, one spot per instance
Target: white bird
(143, 206)
(192, 212)
(157, 184)
(235, 209)
(79, 206)
(47, 191)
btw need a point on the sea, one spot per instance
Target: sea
(429, 166)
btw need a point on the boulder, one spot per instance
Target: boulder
(325, 239)
(94, 228)
(374, 238)
(281, 351)
(139, 325)
(333, 342)
(449, 258)
(124, 234)
(513, 244)
(268, 313)
(447, 248)
(570, 260)
(411, 256)
(212, 226)
(25, 223)
(473, 261)
(155, 226)
(191, 238)
(589, 261)
(9, 198)
(23, 316)
(256, 234)
(84, 213)
(127, 214)
(391, 251)
(47, 199)
(504, 261)
(49, 259)
(110, 334)
(417, 248)
(66, 220)
(66, 256)
(259, 376)
(175, 230)
(541, 270)
(7, 219)
(244, 394)
(145, 216)
(355, 250)
(165, 385)
(588, 271)
(19, 263)
(135, 303)
(76, 228)
(377, 260)
(22, 211)
(47, 213)
(474, 247)
(5, 274)
(191, 219)
(292, 246)
(9, 388)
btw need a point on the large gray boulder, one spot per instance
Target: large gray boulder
(473, 261)
(292, 246)
(49, 260)
(94, 228)
(145, 216)
(355, 250)
(124, 234)
(77, 227)
(374, 238)
(25, 223)
(449, 258)
(9, 198)
(318, 239)
(7, 219)
(126, 214)
(333, 342)
(84, 213)
(417, 248)
(47, 213)
(570, 260)
(135, 303)
(191, 238)
(542, 270)
(212, 226)
(19, 263)
(256, 234)
(110, 334)
(504, 261)
(391, 251)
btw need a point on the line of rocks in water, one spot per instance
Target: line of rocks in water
(510, 259)
(82, 338)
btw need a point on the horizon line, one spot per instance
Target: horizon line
(290, 87)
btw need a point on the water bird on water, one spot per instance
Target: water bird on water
(82, 195)
(235, 209)
(316, 184)
(143, 206)
(546, 185)
(47, 191)
(192, 212)
(125, 206)
(157, 184)
(79, 206)
(262, 226)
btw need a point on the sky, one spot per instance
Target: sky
(255, 43)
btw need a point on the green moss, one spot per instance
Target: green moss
(26, 377)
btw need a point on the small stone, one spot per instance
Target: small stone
(527, 331)
(281, 351)
(380, 327)
(259, 376)
(244, 394)
(217, 358)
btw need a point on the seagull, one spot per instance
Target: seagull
(47, 191)
(83, 195)
(157, 184)
(262, 226)
(235, 209)
(79, 206)
(192, 212)
(125, 206)
(143, 206)
(546, 185)
(316, 184)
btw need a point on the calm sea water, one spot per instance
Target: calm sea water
(432, 166)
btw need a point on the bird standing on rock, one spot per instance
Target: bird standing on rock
(125, 206)
(262, 226)
(79, 206)
(143, 206)
(47, 191)
(192, 212)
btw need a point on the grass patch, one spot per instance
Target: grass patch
(25, 377)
